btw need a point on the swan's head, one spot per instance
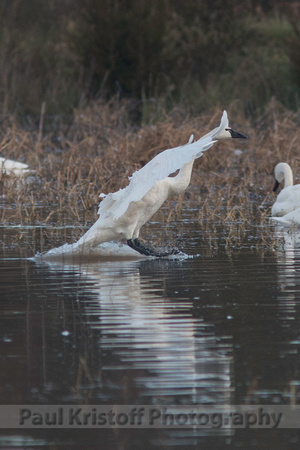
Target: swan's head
(283, 172)
(223, 131)
(229, 133)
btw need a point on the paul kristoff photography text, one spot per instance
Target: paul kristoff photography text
(145, 416)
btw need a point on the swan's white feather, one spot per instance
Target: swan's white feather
(9, 166)
(291, 218)
(114, 205)
(288, 200)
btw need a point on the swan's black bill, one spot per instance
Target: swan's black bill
(235, 134)
(276, 186)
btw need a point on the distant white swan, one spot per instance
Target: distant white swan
(8, 166)
(123, 213)
(289, 197)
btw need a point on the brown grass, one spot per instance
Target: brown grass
(99, 149)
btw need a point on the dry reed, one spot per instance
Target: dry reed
(96, 152)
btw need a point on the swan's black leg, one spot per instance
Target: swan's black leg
(147, 251)
(136, 245)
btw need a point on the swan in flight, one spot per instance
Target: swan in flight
(124, 212)
(8, 166)
(289, 197)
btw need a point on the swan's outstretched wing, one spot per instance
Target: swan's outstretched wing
(161, 166)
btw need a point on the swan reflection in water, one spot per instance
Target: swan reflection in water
(288, 261)
(288, 280)
(172, 356)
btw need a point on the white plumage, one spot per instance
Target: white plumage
(123, 213)
(16, 168)
(289, 197)
(159, 168)
(291, 218)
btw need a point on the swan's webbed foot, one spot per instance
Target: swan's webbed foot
(136, 245)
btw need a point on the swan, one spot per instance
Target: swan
(289, 198)
(124, 212)
(8, 166)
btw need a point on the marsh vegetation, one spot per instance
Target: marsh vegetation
(100, 149)
(69, 53)
(85, 105)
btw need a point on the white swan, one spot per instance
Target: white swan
(8, 166)
(123, 213)
(291, 218)
(289, 198)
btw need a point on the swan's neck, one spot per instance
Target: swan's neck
(288, 177)
(182, 179)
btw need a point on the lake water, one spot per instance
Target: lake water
(219, 327)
